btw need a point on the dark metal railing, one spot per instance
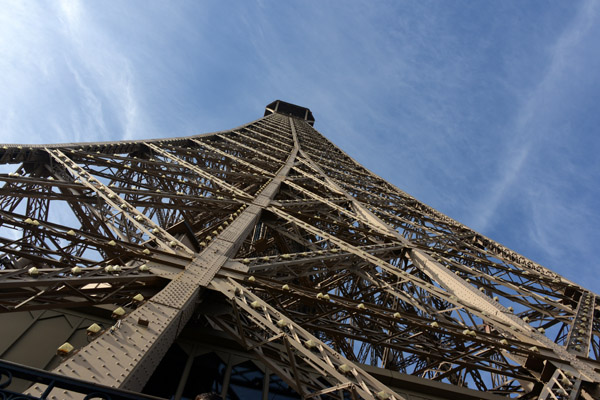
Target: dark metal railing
(89, 391)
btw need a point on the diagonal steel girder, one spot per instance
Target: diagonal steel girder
(164, 240)
(485, 307)
(458, 291)
(299, 343)
(134, 350)
(125, 356)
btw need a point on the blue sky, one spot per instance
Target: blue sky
(487, 111)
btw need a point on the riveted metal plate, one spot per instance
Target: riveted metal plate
(240, 227)
(178, 291)
(123, 350)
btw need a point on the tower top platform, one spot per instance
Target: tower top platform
(282, 107)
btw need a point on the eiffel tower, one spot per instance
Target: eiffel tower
(263, 262)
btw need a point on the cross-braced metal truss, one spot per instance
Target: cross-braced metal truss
(327, 270)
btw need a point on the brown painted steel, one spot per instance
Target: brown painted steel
(337, 281)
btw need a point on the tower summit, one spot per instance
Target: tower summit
(281, 107)
(264, 262)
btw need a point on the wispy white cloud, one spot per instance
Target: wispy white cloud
(531, 123)
(60, 63)
(92, 104)
(107, 67)
(70, 15)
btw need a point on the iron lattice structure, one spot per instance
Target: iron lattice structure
(338, 283)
